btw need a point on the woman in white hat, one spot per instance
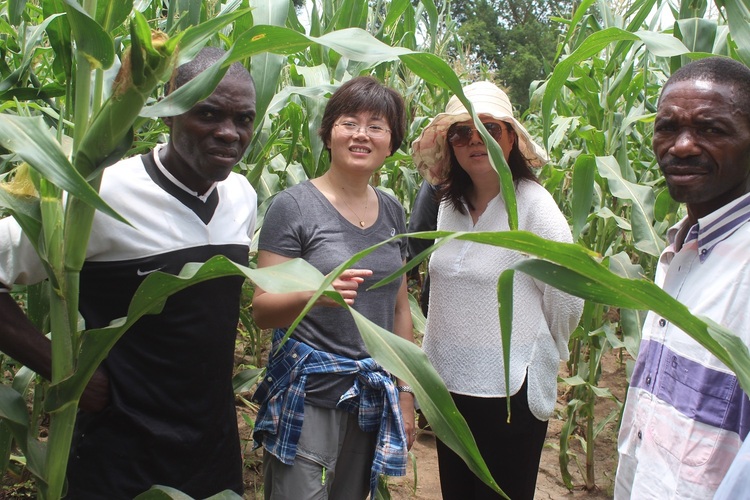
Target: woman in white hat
(462, 338)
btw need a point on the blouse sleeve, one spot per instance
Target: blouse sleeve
(561, 310)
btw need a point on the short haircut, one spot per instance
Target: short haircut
(717, 69)
(200, 63)
(366, 94)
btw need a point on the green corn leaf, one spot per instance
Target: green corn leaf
(111, 15)
(159, 492)
(15, 11)
(16, 418)
(34, 39)
(409, 363)
(404, 358)
(266, 68)
(738, 18)
(149, 298)
(27, 213)
(30, 139)
(505, 313)
(642, 200)
(352, 14)
(584, 176)
(91, 39)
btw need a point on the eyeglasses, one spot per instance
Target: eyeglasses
(373, 131)
(460, 135)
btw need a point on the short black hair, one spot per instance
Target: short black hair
(200, 63)
(717, 69)
(365, 93)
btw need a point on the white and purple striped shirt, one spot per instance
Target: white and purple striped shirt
(686, 416)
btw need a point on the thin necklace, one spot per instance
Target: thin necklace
(361, 219)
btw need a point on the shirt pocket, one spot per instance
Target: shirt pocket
(699, 398)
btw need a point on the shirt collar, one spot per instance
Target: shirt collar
(714, 227)
(203, 197)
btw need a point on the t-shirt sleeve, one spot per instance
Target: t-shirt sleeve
(402, 230)
(19, 262)
(282, 229)
(397, 215)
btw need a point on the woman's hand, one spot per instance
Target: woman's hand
(406, 402)
(278, 310)
(347, 285)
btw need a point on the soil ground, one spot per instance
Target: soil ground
(426, 486)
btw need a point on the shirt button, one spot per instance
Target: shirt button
(640, 435)
(662, 322)
(648, 380)
(704, 251)
(294, 355)
(269, 379)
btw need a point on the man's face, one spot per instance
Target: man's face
(702, 144)
(207, 141)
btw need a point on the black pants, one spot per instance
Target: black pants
(511, 451)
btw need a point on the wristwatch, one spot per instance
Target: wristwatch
(405, 388)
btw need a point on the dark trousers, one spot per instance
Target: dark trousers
(511, 451)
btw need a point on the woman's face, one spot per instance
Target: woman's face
(360, 141)
(469, 148)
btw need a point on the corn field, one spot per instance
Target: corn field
(63, 121)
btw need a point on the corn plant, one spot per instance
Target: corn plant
(597, 108)
(62, 228)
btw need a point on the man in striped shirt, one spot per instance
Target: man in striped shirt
(686, 416)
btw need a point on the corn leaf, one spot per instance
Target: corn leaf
(26, 211)
(738, 18)
(584, 172)
(149, 298)
(13, 412)
(642, 201)
(409, 363)
(579, 271)
(30, 139)
(266, 68)
(110, 15)
(404, 358)
(90, 38)
(159, 492)
(35, 38)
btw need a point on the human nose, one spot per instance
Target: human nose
(227, 131)
(685, 144)
(475, 137)
(361, 130)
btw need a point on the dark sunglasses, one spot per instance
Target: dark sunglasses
(460, 135)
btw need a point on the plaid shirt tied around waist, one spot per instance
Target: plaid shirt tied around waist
(373, 397)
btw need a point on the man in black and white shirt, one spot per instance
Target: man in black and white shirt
(160, 409)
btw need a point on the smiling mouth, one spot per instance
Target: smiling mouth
(359, 149)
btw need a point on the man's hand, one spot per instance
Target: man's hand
(95, 396)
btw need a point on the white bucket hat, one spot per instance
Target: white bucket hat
(430, 150)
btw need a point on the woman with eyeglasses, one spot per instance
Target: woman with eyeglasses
(331, 420)
(462, 338)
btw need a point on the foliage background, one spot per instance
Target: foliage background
(584, 76)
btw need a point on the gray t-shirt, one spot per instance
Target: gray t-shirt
(301, 222)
